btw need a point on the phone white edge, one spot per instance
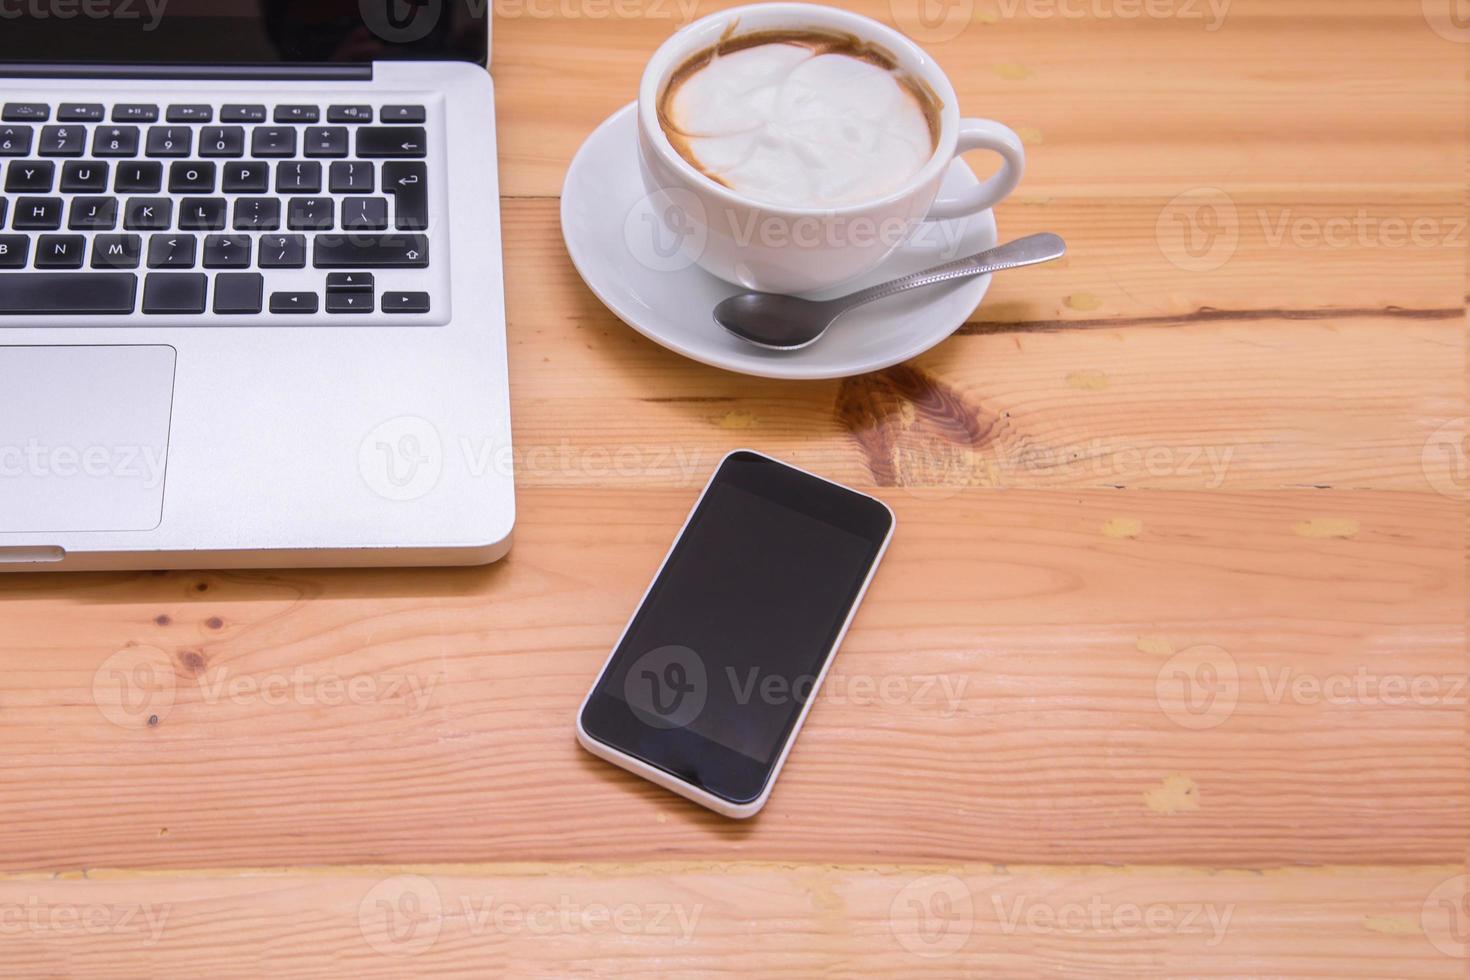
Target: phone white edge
(737, 811)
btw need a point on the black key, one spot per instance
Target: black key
(202, 214)
(37, 214)
(257, 214)
(349, 302)
(293, 302)
(81, 112)
(13, 251)
(115, 141)
(351, 177)
(148, 214)
(15, 141)
(350, 282)
(391, 141)
(191, 177)
(4, 206)
(174, 292)
(25, 112)
(227, 252)
(326, 141)
(310, 214)
(24, 293)
(297, 113)
(238, 292)
(30, 177)
(365, 214)
(273, 141)
(242, 114)
(409, 184)
(349, 114)
(116, 251)
(62, 141)
(172, 251)
(144, 177)
(134, 112)
(371, 252)
(249, 177)
(170, 141)
(402, 114)
(296, 177)
(190, 113)
(60, 251)
(93, 214)
(222, 141)
(84, 177)
(282, 251)
(405, 302)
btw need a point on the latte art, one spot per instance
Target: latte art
(800, 120)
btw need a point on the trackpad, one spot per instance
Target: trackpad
(84, 437)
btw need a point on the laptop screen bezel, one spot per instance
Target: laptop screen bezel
(153, 33)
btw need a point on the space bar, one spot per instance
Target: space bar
(82, 293)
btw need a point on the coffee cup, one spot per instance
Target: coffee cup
(801, 206)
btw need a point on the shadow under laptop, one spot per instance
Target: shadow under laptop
(245, 585)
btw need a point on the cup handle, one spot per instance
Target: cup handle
(983, 134)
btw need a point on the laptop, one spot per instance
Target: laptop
(251, 295)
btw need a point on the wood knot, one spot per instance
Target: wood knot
(913, 428)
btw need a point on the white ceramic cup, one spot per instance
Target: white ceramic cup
(784, 249)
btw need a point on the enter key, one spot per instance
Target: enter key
(409, 184)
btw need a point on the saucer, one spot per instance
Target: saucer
(613, 237)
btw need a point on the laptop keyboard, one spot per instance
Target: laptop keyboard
(232, 209)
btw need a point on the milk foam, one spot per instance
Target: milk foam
(784, 124)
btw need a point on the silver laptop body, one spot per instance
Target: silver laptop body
(361, 417)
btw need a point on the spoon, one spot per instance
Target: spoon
(780, 322)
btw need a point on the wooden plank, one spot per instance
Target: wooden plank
(1011, 690)
(1323, 254)
(1280, 94)
(745, 918)
(1351, 394)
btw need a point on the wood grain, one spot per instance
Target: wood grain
(1356, 95)
(1000, 692)
(741, 918)
(1265, 397)
(1174, 620)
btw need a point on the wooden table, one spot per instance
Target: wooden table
(1164, 673)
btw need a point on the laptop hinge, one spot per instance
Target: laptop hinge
(245, 73)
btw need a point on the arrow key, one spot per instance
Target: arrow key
(400, 142)
(350, 282)
(405, 302)
(341, 302)
(293, 302)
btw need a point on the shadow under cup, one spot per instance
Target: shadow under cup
(792, 249)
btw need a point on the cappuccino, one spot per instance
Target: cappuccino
(800, 118)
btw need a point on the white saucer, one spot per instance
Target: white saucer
(609, 230)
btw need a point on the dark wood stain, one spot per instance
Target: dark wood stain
(193, 661)
(1205, 314)
(871, 407)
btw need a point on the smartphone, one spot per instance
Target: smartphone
(709, 684)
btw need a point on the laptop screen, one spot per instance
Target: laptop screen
(263, 32)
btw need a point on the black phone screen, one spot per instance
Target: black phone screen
(717, 664)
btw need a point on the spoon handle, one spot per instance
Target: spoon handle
(1030, 250)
